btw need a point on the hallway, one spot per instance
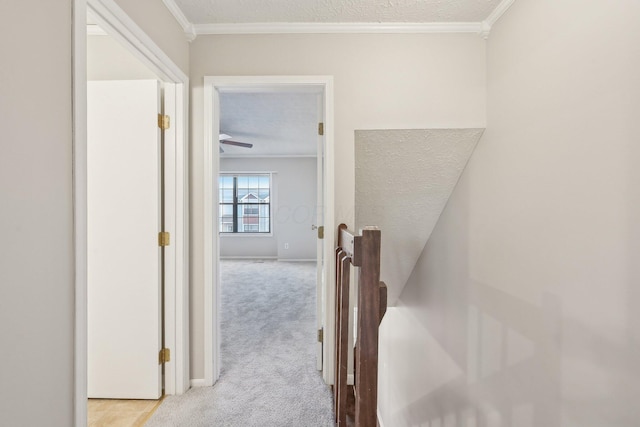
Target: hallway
(268, 373)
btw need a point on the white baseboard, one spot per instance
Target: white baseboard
(200, 382)
(249, 258)
(380, 423)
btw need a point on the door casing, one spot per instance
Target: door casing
(212, 86)
(119, 25)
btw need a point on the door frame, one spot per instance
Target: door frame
(211, 158)
(121, 27)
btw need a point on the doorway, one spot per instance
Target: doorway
(214, 87)
(125, 266)
(125, 209)
(117, 24)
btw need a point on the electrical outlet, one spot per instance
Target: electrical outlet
(286, 246)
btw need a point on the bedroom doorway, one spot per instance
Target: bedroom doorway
(306, 216)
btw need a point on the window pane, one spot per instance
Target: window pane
(264, 219)
(242, 194)
(251, 205)
(243, 181)
(226, 196)
(226, 181)
(253, 218)
(254, 181)
(249, 210)
(246, 218)
(226, 218)
(264, 195)
(226, 210)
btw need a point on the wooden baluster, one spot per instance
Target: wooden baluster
(336, 357)
(343, 349)
(362, 251)
(368, 323)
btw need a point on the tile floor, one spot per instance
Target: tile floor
(120, 413)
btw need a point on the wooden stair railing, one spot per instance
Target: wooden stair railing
(361, 251)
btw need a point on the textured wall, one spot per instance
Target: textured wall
(403, 181)
(220, 11)
(277, 123)
(522, 310)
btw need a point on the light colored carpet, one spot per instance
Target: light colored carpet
(268, 377)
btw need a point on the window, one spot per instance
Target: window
(250, 210)
(245, 203)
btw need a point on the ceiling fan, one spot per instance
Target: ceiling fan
(226, 139)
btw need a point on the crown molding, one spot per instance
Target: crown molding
(193, 30)
(187, 26)
(486, 30)
(340, 28)
(497, 13)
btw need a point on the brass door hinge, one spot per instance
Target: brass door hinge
(321, 232)
(320, 128)
(165, 356)
(164, 238)
(321, 335)
(164, 122)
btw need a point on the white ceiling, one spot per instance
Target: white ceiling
(277, 123)
(336, 16)
(335, 11)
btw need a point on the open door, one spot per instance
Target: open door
(124, 257)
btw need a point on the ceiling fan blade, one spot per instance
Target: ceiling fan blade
(236, 143)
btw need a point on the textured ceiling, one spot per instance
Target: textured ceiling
(403, 181)
(276, 123)
(335, 11)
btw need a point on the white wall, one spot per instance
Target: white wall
(381, 82)
(36, 218)
(523, 308)
(36, 222)
(293, 205)
(153, 17)
(109, 60)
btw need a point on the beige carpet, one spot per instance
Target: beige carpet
(268, 376)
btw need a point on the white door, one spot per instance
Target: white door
(320, 279)
(124, 268)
